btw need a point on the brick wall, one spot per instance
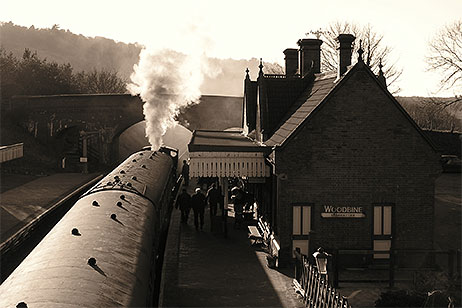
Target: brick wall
(356, 150)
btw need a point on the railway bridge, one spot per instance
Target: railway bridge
(87, 127)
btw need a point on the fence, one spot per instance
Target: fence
(449, 262)
(10, 152)
(314, 287)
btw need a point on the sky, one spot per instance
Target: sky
(244, 29)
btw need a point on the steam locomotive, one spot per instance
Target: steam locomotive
(107, 249)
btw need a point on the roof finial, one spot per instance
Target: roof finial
(247, 73)
(381, 76)
(261, 67)
(360, 51)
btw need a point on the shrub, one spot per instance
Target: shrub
(400, 298)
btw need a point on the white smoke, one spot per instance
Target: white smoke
(166, 81)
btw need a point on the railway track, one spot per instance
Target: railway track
(16, 248)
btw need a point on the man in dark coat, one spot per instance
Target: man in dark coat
(184, 203)
(185, 173)
(238, 199)
(198, 203)
(214, 198)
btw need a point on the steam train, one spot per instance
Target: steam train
(106, 250)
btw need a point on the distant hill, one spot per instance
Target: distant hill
(87, 53)
(63, 46)
(455, 109)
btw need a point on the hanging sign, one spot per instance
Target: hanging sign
(331, 211)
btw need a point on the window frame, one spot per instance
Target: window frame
(382, 234)
(301, 235)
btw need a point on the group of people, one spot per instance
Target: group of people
(242, 200)
(198, 203)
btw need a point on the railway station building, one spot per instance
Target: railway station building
(338, 162)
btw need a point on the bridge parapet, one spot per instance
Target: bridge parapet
(46, 116)
(104, 116)
(65, 121)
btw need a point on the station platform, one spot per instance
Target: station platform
(23, 203)
(205, 269)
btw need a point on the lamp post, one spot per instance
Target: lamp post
(321, 262)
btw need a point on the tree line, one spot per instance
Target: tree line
(428, 112)
(63, 46)
(31, 75)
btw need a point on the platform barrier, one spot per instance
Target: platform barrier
(10, 152)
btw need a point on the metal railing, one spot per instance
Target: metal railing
(10, 152)
(281, 76)
(314, 287)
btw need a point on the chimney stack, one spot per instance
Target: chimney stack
(346, 50)
(291, 58)
(310, 54)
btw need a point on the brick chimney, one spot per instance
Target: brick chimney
(291, 58)
(310, 54)
(346, 50)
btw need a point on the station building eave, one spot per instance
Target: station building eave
(227, 154)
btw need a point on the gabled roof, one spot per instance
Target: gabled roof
(302, 108)
(223, 141)
(313, 98)
(280, 95)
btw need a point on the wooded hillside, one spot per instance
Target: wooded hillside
(90, 53)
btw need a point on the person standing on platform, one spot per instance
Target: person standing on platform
(238, 203)
(185, 173)
(198, 202)
(184, 203)
(213, 198)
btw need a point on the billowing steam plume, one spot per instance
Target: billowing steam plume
(166, 81)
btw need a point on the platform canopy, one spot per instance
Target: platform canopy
(226, 154)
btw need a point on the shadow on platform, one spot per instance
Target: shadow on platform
(205, 269)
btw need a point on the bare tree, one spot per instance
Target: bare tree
(445, 57)
(372, 44)
(429, 115)
(99, 81)
(273, 68)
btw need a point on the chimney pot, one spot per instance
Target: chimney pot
(291, 58)
(345, 51)
(310, 54)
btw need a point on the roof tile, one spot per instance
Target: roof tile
(302, 108)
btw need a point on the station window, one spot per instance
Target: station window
(301, 219)
(382, 230)
(382, 219)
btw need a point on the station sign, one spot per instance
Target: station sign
(332, 211)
